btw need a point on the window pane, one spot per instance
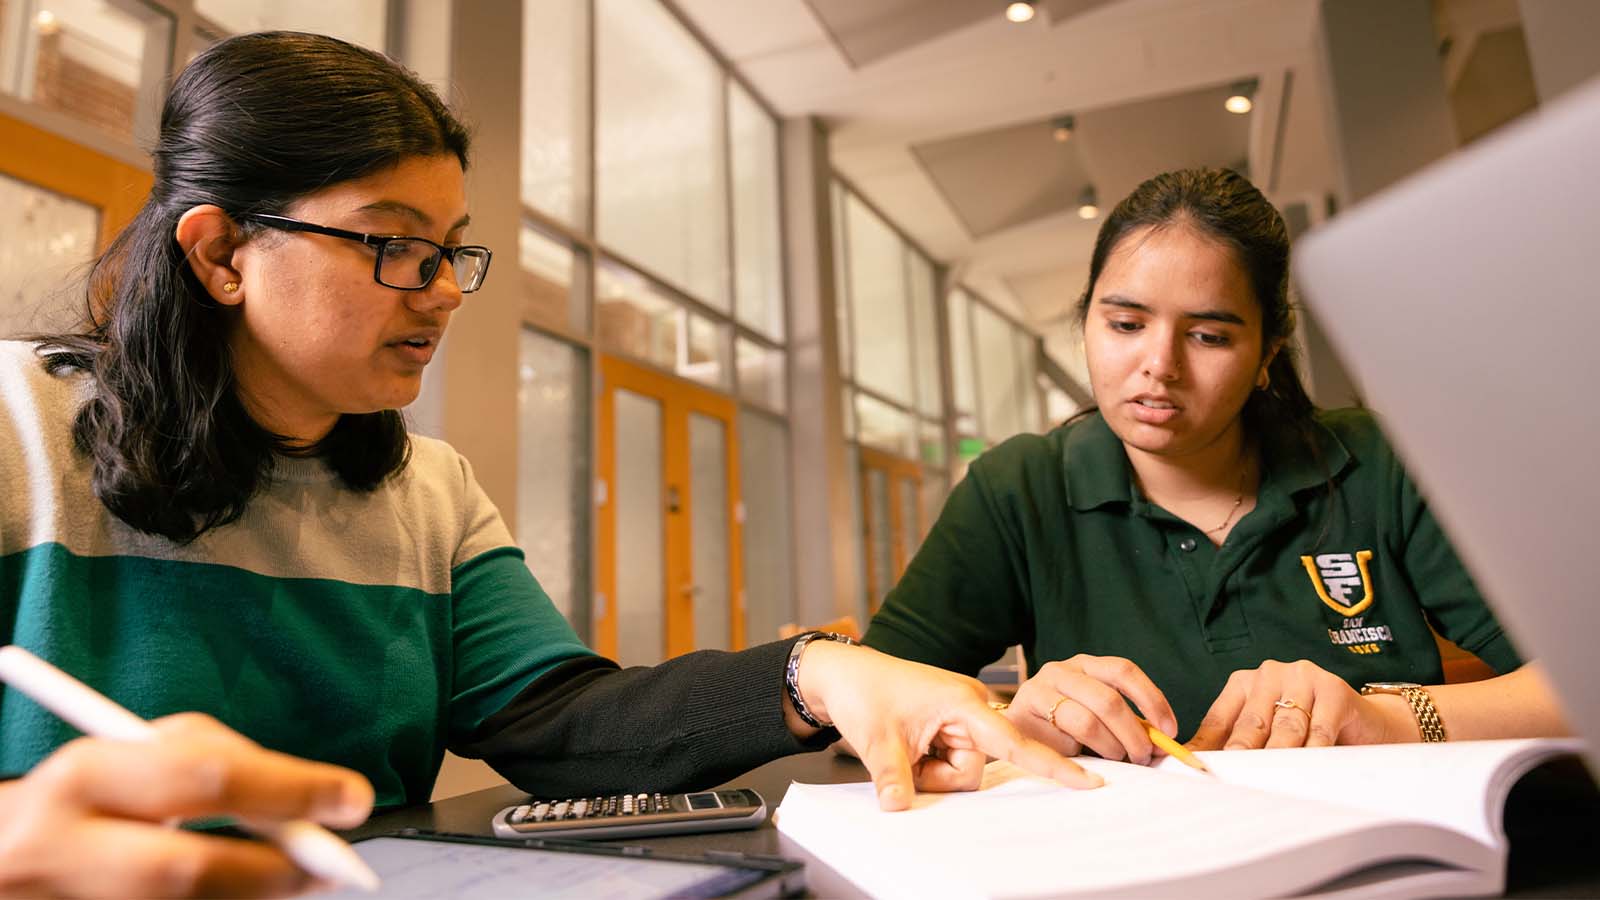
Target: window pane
(1027, 381)
(659, 134)
(45, 240)
(552, 282)
(555, 114)
(997, 374)
(858, 547)
(884, 427)
(553, 470)
(761, 374)
(880, 540)
(361, 22)
(878, 303)
(640, 499)
(707, 360)
(758, 251)
(930, 443)
(961, 378)
(634, 317)
(95, 61)
(768, 559)
(709, 531)
(841, 283)
(925, 331)
(1059, 406)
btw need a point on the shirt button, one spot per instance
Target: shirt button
(1187, 545)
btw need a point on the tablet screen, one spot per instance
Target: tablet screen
(443, 869)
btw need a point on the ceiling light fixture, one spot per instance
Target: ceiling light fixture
(1019, 11)
(1062, 129)
(46, 22)
(1240, 97)
(1088, 204)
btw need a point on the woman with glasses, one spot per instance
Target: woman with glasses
(211, 504)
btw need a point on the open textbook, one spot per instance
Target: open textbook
(1392, 820)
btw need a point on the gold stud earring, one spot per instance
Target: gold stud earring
(230, 287)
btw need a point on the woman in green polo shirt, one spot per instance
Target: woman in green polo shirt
(1206, 544)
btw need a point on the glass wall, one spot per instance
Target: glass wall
(100, 62)
(553, 467)
(661, 154)
(554, 276)
(757, 237)
(768, 533)
(879, 304)
(996, 379)
(555, 109)
(887, 296)
(650, 188)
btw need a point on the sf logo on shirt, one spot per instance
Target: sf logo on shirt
(1344, 584)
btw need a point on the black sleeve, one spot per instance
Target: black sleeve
(588, 727)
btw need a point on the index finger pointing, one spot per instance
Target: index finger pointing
(888, 764)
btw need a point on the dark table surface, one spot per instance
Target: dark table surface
(1552, 819)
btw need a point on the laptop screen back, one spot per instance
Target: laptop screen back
(1466, 300)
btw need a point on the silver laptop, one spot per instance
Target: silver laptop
(1466, 302)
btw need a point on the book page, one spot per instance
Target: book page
(1458, 785)
(1024, 836)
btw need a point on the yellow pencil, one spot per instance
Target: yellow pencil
(1174, 749)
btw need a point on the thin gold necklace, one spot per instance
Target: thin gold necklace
(1238, 501)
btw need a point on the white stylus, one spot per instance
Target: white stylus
(314, 848)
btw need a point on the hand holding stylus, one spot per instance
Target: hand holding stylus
(90, 819)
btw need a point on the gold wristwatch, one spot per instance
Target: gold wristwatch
(1428, 721)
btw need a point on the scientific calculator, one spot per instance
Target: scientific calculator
(632, 815)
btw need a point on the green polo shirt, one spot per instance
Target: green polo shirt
(1047, 543)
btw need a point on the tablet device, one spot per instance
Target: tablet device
(437, 866)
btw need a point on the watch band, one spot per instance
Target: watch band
(1421, 703)
(791, 673)
(1428, 721)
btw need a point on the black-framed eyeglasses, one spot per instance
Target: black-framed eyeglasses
(404, 263)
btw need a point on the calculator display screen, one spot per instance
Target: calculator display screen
(707, 800)
(412, 868)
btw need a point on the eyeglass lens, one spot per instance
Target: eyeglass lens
(411, 264)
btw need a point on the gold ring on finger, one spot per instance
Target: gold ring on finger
(1286, 703)
(1051, 715)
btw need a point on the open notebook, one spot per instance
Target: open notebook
(1393, 820)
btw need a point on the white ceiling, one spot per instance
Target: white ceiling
(899, 79)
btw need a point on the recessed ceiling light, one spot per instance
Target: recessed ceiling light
(1239, 98)
(1088, 204)
(1020, 11)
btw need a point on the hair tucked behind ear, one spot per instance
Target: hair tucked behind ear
(253, 124)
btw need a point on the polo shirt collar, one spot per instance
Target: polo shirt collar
(1097, 467)
(1289, 470)
(1098, 472)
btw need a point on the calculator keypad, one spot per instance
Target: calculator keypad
(590, 807)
